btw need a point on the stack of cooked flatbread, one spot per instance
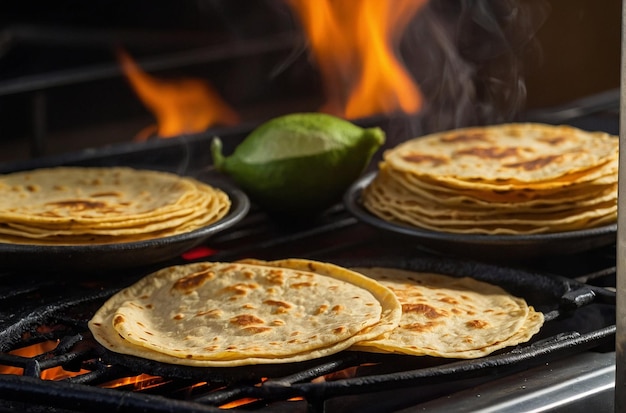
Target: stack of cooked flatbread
(99, 205)
(219, 314)
(519, 178)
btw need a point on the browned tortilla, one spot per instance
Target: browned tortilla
(230, 314)
(502, 179)
(75, 205)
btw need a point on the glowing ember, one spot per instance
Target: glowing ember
(180, 105)
(140, 382)
(238, 403)
(347, 373)
(199, 252)
(54, 373)
(249, 400)
(353, 43)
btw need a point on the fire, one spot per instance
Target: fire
(179, 105)
(54, 373)
(139, 382)
(346, 373)
(238, 403)
(354, 43)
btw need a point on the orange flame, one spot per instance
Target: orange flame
(54, 373)
(179, 105)
(353, 43)
(139, 382)
(238, 403)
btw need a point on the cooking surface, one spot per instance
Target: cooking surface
(62, 295)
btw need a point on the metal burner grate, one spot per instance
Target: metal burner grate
(38, 307)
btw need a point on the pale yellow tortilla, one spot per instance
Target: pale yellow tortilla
(230, 314)
(444, 316)
(506, 179)
(514, 152)
(75, 205)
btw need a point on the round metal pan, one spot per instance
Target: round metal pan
(105, 257)
(492, 247)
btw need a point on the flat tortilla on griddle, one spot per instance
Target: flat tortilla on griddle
(231, 314)
(445, 316)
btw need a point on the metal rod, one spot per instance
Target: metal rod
(84, 74)
(620, 335)
(40, 35)
(40, 124)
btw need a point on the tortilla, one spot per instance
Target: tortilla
(511, 153)
(76, 205)
(501, 179)
(445, 316)
(232, 314)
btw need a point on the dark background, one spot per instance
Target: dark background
(517, 56)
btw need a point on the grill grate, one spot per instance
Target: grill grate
(37, 308)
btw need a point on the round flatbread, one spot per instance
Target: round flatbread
(230, 314)
(89, 195)
(506, 179)
(445, 316)
(509, 153)
(76, 205)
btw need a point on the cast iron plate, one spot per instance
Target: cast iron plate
(552, 295)
(493, 247)
(103, 257)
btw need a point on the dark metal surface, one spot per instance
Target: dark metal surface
(620, 339)
(579, 384)
(99, 71)
(579, 318)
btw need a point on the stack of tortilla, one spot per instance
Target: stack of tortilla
(520, 178)
(100, 205)
(232, 314)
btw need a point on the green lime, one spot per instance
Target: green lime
(299, 164)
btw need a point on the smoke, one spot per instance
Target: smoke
(470, 58)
